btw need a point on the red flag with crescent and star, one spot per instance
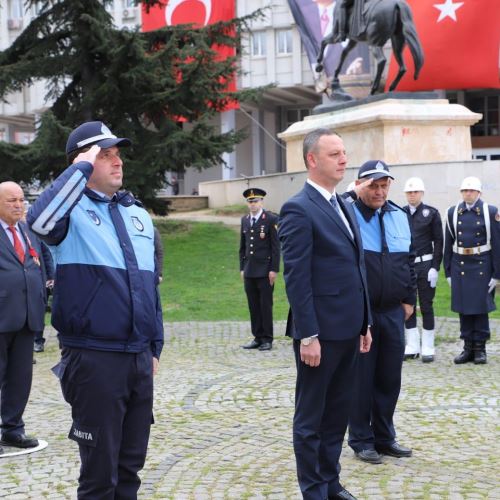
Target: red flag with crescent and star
(198, 13)
(461, 44)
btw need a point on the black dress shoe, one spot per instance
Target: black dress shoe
(342, 494)
(18, 441)
(38, 347)
(369, 456)
(428, 358)
(252, 345)
(266, 346)
(394, 450)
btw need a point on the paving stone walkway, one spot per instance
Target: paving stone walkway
(223, 425)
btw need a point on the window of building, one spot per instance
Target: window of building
(295, 115)
(259, 43)
(284, 41)
(489, 106)
(127, 4)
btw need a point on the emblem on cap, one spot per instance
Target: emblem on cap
(137, 223)
(94, 217)
(379, 166)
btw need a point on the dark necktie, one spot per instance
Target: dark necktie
(18, 247)
(385, 248)
(335, 205)
(253, 221)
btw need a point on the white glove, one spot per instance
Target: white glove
(492, 284)
(449, 281)
(432, 277)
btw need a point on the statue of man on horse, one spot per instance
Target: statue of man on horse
(350, 19)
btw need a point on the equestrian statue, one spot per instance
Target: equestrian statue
(374, 22)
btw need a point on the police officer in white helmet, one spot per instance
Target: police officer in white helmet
(472, 267)
(427, 234)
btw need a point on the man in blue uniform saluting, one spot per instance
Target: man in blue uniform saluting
(472, 267)
(106, 309)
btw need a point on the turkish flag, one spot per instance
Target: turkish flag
(199, 13)
(461, 44)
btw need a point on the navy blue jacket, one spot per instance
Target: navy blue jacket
(22, 286)
(324, 269)
(105, 296)
(390, 270)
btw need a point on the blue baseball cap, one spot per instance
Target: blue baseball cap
(90, 133)
(374, 169)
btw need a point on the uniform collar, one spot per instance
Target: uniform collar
(368, 212)
(124, 198)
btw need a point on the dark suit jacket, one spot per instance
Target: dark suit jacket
(22, 286)
(324, 269)
(259, 246)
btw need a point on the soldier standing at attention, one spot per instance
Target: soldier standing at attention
(472, 267)
(259, 264)
(427, 234)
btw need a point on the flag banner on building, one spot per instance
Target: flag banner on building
(314, 20)
(461, 44)
(198, 13)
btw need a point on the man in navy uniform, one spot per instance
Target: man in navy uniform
(472, 267)
(22, 310)
(106, 309)
(427, 234)
(385, 232)
(329, 314)
(259, 264)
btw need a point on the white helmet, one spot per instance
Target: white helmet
(471, 183)
(414, 184)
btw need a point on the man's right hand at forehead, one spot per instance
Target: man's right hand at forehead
(89, 155)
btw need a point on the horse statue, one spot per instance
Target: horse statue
(381, 20)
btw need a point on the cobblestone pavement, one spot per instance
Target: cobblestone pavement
(223, 425)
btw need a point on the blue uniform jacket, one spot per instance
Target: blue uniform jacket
(390, 271)
(105, 296)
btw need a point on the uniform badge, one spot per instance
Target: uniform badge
(262, 233)
(94, 217)
(497, 217)
(426, 212)
(137, 223)
(478, 210)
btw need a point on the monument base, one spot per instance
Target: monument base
(395, 127)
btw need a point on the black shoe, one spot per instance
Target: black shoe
(34, 361)
(466, 355)
(480, 353)
(394, 450)
(266, 346)
(38, 347)
(19, 441)
(251, 345)
(411, 356)
(427, 359)
(369, 456)
(342, 494)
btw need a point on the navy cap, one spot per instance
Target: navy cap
(90, 133)
(254, 194)
(374, 169)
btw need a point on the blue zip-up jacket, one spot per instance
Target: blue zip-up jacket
(105, 296)
(389, 268)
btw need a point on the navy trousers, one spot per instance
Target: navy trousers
(322, 399)
(16, 373)
(111, 398)
(425, 298)
(260, 303)
(378, 383)
(475, 327)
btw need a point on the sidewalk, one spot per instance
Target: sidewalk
(224, 416)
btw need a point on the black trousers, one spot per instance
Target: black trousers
(425, 298)
(322, 400)
(111, 398)
(475, 327)
(16, 373)
(260, 303)
(378, 383)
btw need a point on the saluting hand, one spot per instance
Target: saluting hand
(89, 155)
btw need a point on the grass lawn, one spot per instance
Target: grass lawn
(201, 278)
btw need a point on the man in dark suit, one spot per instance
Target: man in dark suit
(325, 281)
(22, 309)
(259, 265)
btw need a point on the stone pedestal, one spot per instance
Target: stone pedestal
(399, 128)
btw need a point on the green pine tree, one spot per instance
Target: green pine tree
(161, 89)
